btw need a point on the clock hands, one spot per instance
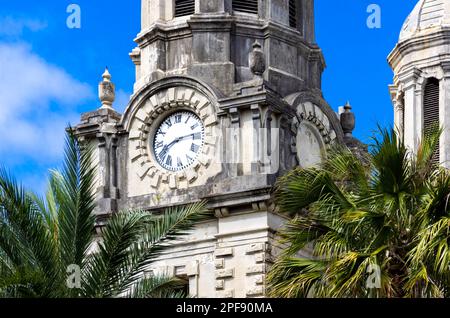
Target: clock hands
(187, 137)
(166, 148)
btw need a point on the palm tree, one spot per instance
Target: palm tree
(377, 228)
(48, 247)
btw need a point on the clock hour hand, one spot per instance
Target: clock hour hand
(187, 136)
(167, 147)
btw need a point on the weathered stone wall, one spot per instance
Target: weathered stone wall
(214, 45)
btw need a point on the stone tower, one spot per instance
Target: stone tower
(227, 97)
(421, 64)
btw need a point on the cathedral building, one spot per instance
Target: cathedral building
(227, 98)
(421, 65)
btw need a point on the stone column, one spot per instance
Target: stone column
(155, 10)
(412, 109)
(233, 145)
(445, 116)
(418, 93)
(135, 56)
(308, 23)
(208, 6)
(399, 111)
(108, 192)
(400, 117)
(211, 50)
(279, 11)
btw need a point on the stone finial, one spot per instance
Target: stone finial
(106, 91)
(257, 60)
(348, 120)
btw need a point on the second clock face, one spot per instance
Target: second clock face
(179, 141)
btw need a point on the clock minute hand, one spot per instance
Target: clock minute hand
(186, 137)
(177, 140)
(167, 147)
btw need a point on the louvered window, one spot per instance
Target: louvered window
(293, 13)
(247, 6)
(184, 7)
(431, 111)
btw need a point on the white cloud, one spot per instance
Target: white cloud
(37, 101)
(14, 27)
(122, 99)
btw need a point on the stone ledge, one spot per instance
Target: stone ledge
(225, 273)
(219, 263)
(224, 252)
(226, 294)
(255, 248)
(220, 284)
(257, 269)
(255, 292)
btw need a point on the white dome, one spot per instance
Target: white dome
(427, 15)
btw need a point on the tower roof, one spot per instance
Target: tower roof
(427, 15)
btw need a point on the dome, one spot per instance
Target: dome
(426, 16)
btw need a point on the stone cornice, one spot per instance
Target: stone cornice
(210, 23)
(409, 77)
(417, 43)
(223, 23)
(319, 101)
(264, 96)
(93, 122)
(163, 31)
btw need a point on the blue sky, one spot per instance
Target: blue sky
(49, 73)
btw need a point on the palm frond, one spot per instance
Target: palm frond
(158, 287)
(132, 242)
(24, 232)
(74, 198)
(391, 213)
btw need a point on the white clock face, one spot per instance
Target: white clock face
(179, 141)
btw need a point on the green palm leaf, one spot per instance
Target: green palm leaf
(41, 238)
(387, 217)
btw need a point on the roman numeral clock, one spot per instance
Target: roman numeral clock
(172, 141)
(179, 140)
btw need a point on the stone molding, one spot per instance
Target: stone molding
(321, 115)
(157, 107)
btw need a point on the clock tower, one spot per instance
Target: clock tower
(227, 98)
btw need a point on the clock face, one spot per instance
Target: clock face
(179, 141)
(310, 147)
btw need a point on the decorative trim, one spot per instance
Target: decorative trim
(223, 274)
(154, 110)
(321, 111)
(315, 116)
(140, 97)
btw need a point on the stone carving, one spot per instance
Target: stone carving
(313, 114)
(154, 110)
(222, 274)
(257, 273)
(348, 120)
(106, 90)
(311, 129)
(257, 60)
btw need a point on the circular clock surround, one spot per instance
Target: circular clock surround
(313, 134)
(310, 146)
(178, 141)
(146, 115)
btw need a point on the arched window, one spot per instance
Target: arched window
(431, 110)
(184, 7)
(293, 13)
(247, 6)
